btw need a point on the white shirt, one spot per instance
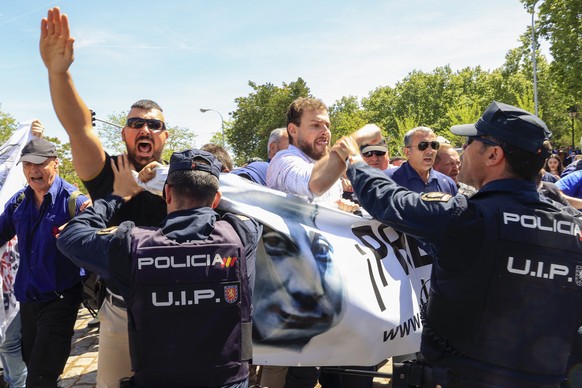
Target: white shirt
(290, 170)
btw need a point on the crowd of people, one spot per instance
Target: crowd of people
(498, 216)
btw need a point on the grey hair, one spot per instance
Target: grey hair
(275, 137)
(413, 131)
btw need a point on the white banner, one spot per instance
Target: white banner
(11, 180)
(332, 288)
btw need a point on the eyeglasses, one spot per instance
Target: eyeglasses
(370, 153)
(423, 145)
(483, 140)
(153, 124)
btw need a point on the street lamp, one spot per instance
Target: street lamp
(533, 57)
(204, 110)
(572, 112)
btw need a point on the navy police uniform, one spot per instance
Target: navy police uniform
(506, 282)
(188, 286)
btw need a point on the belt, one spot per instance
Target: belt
(115, 300)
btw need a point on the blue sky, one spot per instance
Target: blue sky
(189, 54)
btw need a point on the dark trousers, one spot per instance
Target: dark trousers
(301, 377)
(335, 380)
(47, 329)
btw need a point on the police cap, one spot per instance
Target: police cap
(189, 160)
(510, 124)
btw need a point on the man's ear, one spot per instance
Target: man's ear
(406, 152)
(292, 129)
(495, 156)
(167, 194)
(217, 198)
(123, 134)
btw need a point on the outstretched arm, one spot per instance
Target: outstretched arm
(56, 50)
(330, 168)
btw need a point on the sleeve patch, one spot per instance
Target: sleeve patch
(435, 197)
(109, 230)
(241, 217)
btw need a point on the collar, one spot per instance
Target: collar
(52, 193)
(411, 173)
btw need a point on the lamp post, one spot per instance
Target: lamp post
(533, 57)
(572, 112)
(204, 110)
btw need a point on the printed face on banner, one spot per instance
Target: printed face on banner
(298, 292)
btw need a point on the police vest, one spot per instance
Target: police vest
(189, 309)
(525, 290)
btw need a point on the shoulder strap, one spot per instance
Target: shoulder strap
(72, 203)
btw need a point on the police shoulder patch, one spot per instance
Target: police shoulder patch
(241, 217)
(109, 230)
(435, 197)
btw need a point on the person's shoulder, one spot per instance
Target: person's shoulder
(391, 171)
(248, 229)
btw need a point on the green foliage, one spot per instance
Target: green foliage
(346, 116)
(7, 126)
(257, 114)
(560, 22)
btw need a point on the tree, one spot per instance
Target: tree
(560, 22)
(257, 114)
(179, 138)
(346, 115)
(7, 126)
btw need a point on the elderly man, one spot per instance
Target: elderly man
(144, 135)
(278, 140)
(448, 162)
(504, 305)
(376, 155)
(48, 285)
(417, 173)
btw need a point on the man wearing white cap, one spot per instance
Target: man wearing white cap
(48, 285)
(505, 288)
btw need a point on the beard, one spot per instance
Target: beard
(309, 150)
(140, 162)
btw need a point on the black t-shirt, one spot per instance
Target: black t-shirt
(145, 209)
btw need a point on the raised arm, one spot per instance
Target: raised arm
(329, 169)
(56, 50)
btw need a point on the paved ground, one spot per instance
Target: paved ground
(81, 368)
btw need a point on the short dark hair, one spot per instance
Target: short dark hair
(521, 163)
(219, 153)
(146, 105)
(193, 186)
(300, 105)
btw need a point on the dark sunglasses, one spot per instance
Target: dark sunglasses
(423, 145)
(370, 153)
(153, 124)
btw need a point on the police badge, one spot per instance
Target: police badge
(230, 294)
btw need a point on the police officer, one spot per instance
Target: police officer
(505, 291)
(187, 284)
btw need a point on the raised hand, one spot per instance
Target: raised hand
(368, 134)
(124, 184)
(56, 44)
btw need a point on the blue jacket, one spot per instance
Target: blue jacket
(407, 177)
(107, 251)
(44, 272)
(495, 255)
(571, 184)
